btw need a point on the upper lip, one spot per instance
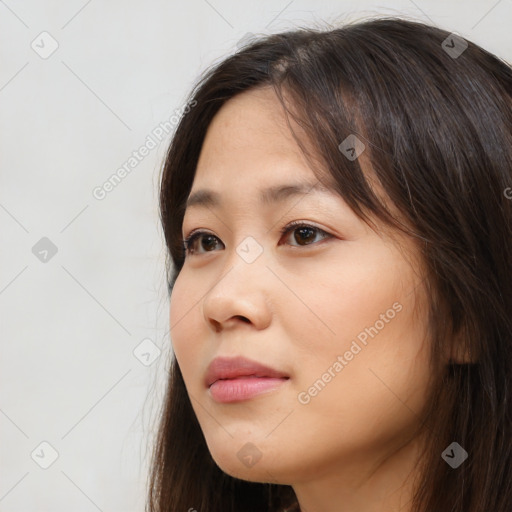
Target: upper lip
(233, 367)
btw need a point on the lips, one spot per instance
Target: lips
(224, 368)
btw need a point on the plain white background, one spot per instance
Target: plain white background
(84, 330)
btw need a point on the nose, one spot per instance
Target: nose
(239, 296)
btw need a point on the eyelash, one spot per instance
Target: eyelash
(292, 226)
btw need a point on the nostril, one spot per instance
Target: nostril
(216, 325)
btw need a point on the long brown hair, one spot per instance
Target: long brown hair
(435, 114)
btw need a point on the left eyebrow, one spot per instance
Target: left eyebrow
(267, 196)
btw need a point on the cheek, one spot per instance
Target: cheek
(364, 359)
(184, 308)
(342, 296)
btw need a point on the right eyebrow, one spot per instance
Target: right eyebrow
(209, 198)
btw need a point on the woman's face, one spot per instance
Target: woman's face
(330, 305)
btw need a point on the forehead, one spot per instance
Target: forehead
(249, 142)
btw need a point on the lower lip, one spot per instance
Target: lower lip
(243, 388)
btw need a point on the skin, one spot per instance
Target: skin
(353, 447)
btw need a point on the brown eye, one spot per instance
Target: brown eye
(304, 234)
(205, 241)
(202, 242)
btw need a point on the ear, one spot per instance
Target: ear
(460, 353)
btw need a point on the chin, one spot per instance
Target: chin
(249, 464)
(234, 468)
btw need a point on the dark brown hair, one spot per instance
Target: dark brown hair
(435, 114)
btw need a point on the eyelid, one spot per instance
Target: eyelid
(186, 241)
(288, 228)
(197, 230)
(295, 223)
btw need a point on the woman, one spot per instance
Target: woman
(335, 207)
